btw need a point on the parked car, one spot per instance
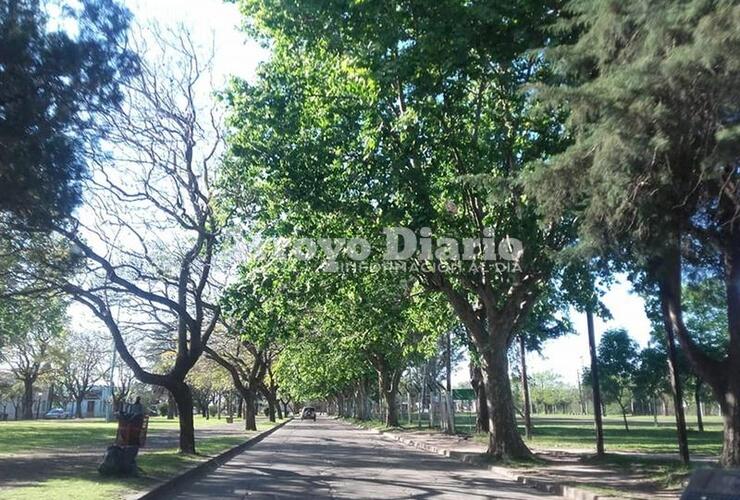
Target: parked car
(56, 413)
(308, 413)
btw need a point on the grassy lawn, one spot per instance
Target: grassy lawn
(577, 432)
(564, 432)
(156, 464)
(50, 435)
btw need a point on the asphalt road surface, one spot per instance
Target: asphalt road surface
(330, 459)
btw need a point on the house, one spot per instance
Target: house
(95, 404)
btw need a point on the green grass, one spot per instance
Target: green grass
(49, 435)
(156, 465)
(568, 432)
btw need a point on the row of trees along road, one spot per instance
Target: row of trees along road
(603, 139)
(422, 121)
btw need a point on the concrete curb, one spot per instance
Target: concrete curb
(204, 467)
(565, 491)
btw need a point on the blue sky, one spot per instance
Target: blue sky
(214, 21)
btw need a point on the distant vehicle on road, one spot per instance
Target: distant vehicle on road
(56, 413)
(308, 413)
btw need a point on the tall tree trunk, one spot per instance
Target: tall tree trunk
(595, 384)
(481, 404)
(362, 401)
(27, 404)
(655, 411)
(285, 408)
(525, 388)
(184, 402)
(239, 404)
(389, 389)
(624, 416)
(279, 410)
(171, 406)
(78, 407)
(271, 409)
(448, 396)
(697, 400)
(250, 418)
(676, 387)
(504, 439)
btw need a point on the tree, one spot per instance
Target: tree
(74, 66)
(39, 322)
(150, 249)
(79, 367)
(651, 377)
(618, 355)
(245, 362)
(653, 165)
(419, 123)
(207, 380)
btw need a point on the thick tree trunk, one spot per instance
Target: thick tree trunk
(504, 438)
(731, 417)
(361, 401)
(697, 400)
(27, 404)
(271, 412)
(78, 407)
(730, 395)
(184, 402)
(481, 404)
(250, 418)
(171, 407)
(389, 386)
(525, 388)
(239, 401)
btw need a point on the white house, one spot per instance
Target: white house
(95, 404)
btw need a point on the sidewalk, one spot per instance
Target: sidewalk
(620, 475)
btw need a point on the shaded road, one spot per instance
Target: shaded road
(329, 459)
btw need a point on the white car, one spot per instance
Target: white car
(56, 413)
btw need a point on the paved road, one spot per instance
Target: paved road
(329, 459)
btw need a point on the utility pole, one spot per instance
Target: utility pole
(595, 383)
(525, 388)
(450, 409)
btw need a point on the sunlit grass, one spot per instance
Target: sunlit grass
(156, 464)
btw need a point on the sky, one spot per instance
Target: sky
(216, 22)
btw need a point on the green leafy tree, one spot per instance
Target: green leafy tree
(653, 103)
(38, 322)
(52, 83)
(618, 356)
(417, 122)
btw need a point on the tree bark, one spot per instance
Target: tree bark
(525, 388)
(595, 384)
(504, 438)
(389, 387)
(250, 417)
(624, 417)
(481, 404)
(697, 400)
(184, 401)
(171, 407)
(27, 405)
(78, 407)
